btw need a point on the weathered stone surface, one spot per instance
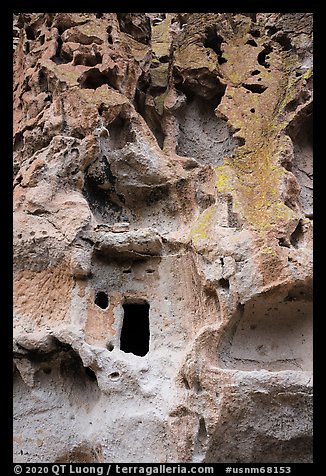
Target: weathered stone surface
(163, 175)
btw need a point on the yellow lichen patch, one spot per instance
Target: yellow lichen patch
(224, 175)
(254, 179)
(258, 186)
(253, 175)
(201, 226)
(268, 250)
(44, 295)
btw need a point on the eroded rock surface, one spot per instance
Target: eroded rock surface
(163, 237)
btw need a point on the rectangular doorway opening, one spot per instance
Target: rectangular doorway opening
(135, 333)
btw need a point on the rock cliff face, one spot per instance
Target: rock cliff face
(163, 237)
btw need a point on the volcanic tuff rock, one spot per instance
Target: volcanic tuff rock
(163, 237)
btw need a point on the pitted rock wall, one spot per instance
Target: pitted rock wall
(163, 162)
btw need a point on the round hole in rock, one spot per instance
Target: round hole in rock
(110, 346)
(102, 300)
(114, 376)
(255, 33)
(252, 110)
(224, 283)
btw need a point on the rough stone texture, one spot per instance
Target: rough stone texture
(163, 159)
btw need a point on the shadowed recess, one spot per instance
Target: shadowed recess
(135, 329)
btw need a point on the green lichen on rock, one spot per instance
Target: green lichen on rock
(159, 76)
(258, 186)
(224, 177)
(292, 92)
(201, 226)
(268, 250)
(258, 176)
(257, 104)
(161, 37)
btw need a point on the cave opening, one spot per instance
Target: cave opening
(135, 333)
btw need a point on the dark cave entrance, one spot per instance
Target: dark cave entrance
(135, 333)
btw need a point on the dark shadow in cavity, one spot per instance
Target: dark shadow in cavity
(94, 78)
(301, 132)
(284, 41)
(297, 237)
(121, 132)
(101, 299)
(60, 57)
(251, 43)
(87, 59)
(214, 41)
(255, 88)
(135, 332)
(262, 56)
